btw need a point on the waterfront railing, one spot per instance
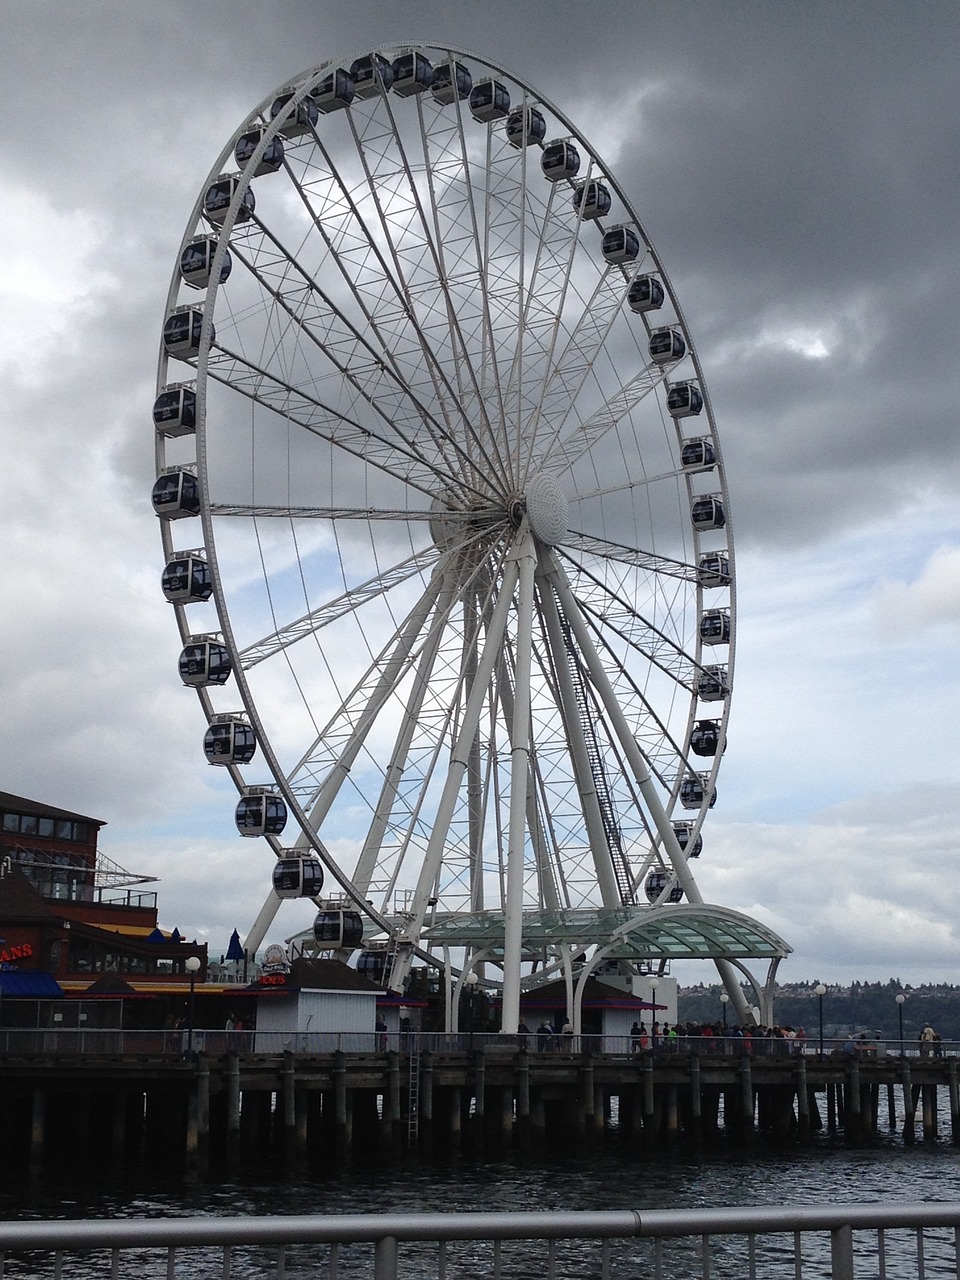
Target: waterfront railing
(894, 1241)
(175, 1043)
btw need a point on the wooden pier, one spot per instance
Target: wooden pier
(210, 1113)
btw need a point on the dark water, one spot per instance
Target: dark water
(613, 1177)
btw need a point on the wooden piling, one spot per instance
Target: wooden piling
(909, 1106)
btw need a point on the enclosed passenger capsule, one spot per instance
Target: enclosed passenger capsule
(713, 684)
(713, 570)
(451, 81)
(229, 740)
(698, 454)
(655, 884)
(196, 262)
(373, 964)
(489, 100)
(204, 660)
(301, 119)
(667, 346)
(525, 126)
(371, 74)
(176, 494)
(559, 160)
(218, 197)
(591, 200)
(297, 878)
(690, 844)
(706, 738)
(620, 244)
(412, 73)
(692, 791)
(181, 332)
(269, 162)
(186, 580)
(684, 400)
(260, 812)
(334, 92)
(338, 930)
(645, 294)
(707, 512)
(175, 411)
(715, 626)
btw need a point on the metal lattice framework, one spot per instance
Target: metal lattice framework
(468, 553)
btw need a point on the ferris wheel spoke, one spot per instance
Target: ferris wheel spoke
(312, 316)
(409, 283)
(540, 306)
(634, 482)
(394, 354)
(568, 447)
(315, 318)
(325, 767)
(333, 610)
(612, 608)
(294, 405)
(622, 554)
(450, 519)
(660, 750)
(456, 271)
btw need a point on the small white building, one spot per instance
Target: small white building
(318, 1007)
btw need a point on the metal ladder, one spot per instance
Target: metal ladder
(413, 1091)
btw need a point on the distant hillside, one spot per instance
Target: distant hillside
(861, 1006)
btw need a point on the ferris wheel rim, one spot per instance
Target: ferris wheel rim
(202, 374)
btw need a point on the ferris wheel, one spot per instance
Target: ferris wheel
(444, 516)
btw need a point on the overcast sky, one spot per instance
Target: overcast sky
(795, 165)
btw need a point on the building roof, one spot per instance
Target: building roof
(22, 805)
(328, 975)
(596, 995)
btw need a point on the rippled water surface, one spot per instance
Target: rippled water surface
(611, 1178)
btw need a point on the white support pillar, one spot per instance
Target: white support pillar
(519, 776)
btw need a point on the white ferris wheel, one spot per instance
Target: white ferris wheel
(445, 521)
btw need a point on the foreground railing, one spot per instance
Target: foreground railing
(893, 1241)
(165, 1043)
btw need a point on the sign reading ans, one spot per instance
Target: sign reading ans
(15, 951)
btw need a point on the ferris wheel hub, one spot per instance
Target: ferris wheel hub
(547, 509)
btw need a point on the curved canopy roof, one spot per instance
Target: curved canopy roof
(685, 931)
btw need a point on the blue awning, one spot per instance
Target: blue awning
(29, 984)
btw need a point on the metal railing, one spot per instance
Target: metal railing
(894, 1241)
(167, 1043)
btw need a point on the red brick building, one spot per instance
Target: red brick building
(71, 914)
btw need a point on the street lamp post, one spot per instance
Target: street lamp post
(192, 966)
(470, 984)
(724, 1000)
(821, 991)
(900, 1001)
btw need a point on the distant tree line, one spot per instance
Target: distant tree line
(861, 1006)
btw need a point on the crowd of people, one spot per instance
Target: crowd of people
(707, 1037)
